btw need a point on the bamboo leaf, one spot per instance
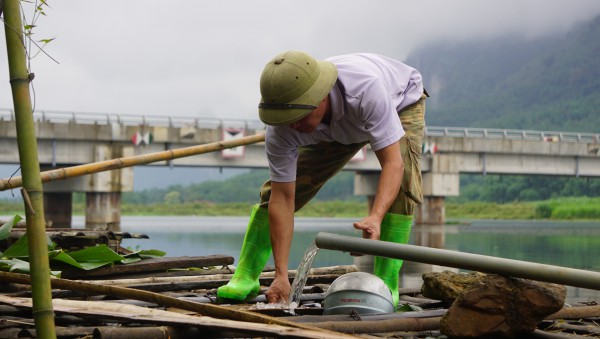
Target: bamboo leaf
(20, 266)
(14, 265)
(20, 249)
(145, 254)
(7, 227)
(96, 253)
(130, 260)
(102, 258)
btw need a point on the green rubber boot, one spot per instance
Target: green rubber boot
(256, 250)
(394, 228)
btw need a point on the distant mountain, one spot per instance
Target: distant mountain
(549, 83)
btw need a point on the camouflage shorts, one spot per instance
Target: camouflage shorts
(318, 163)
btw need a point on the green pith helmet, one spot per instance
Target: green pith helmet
(292, 85)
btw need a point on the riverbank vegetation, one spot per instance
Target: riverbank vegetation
(481, 197)
(579, 208)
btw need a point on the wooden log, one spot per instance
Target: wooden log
(368, 317)
(158, 332)
(220, 274)
(150, 265)
(61, 332)
(556, 335)
(382, 326)
(211, 284)
(578, 312)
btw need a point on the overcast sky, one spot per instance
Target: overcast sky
(204, 58)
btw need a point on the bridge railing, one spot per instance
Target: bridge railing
(207, 122)
(490, 133)
(66, 117)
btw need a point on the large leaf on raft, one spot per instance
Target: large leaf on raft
(20, 266)
(88, 258)
(7, 227)
(20, 249)
(142, 254)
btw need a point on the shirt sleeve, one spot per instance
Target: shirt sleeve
(282, 157)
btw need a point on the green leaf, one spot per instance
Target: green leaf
(88, 258)
(14, 265)
(20, 266)
(46, 41)
(7, 227)
(100, 253)
(145, 254)
(142, 254)
(130, 260)
(19, 249)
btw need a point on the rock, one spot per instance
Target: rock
(446, 286)
(501, 307)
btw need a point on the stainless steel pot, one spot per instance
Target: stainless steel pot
(362, 292)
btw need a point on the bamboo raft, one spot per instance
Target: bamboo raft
(163, 298)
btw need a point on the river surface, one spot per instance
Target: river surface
(567, 244)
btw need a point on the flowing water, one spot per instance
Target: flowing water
(302, 275)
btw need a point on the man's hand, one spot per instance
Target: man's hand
(370, 226)
(279, 291)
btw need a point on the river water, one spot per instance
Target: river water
(568, 244)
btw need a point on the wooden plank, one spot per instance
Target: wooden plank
(149, 265)
(166, 318)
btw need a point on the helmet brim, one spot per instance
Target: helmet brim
(313, 96)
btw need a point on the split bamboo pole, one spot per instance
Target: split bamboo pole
(143, 159)
(215, 311)
(469, 261)
(33, 195)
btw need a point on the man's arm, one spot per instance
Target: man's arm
(281, 220)
(392, 171)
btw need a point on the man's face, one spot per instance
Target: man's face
(309, 123)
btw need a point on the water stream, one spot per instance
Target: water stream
(302, 275)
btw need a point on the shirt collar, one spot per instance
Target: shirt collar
(336, 101)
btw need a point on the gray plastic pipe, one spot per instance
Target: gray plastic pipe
(469, 261)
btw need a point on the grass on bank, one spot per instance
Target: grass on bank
(581, 208)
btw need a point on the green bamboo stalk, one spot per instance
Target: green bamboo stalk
(32, 184)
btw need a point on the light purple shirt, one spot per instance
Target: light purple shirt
(370, 91)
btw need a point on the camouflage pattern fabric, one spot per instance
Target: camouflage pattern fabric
(318, 163)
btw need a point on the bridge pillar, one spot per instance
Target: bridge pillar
(431, 211)
(103, 199)
(103, 192)
(103, 209)
(58, 209)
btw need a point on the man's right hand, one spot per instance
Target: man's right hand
(279, 291)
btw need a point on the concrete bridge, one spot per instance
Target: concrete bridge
(71, 138)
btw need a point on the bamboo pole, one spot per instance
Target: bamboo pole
(136, 314)
(469, 261)
(143, 159)
(215, 311)
(32, 185)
